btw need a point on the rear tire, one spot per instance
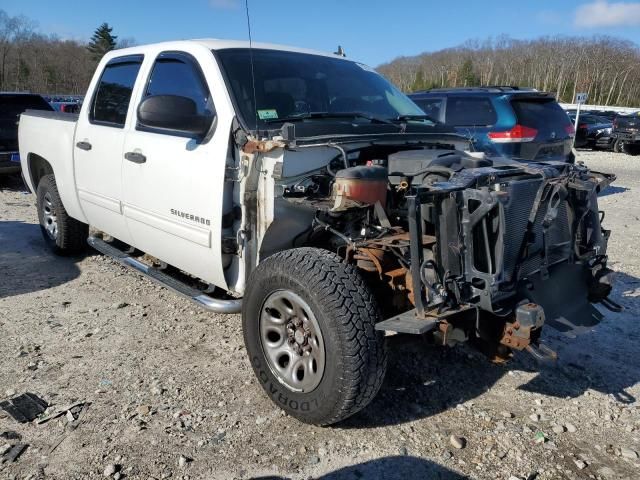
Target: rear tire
(309, 329)
(62, 234)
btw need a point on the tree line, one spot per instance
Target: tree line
(607, 68)
(34, 62)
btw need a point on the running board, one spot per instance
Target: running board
(207, 302)
(407, 322)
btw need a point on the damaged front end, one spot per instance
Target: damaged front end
(519, 245)
(463, 247)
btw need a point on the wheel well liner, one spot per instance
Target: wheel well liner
(38, 168)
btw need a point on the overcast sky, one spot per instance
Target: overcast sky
(372, 31)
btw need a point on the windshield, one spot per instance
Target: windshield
(290, 84)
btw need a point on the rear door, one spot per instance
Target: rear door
(100, 135)
(550, 126)
(174, 185)
(629, 125)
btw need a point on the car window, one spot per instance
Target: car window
(112, 97)
(13, 105)
(541, 114)
(173, 75)
(470, 112)
(430, 106)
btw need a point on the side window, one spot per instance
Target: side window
(430, 106)
(113, 93)
(470, 112)
(178, 75)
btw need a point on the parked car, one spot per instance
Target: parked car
(11, 106)
(593, 131)
(508, 121)
(311, 187)
(67, 107)
(626, 133)
(608, 114)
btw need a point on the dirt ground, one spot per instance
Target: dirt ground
(168, 392)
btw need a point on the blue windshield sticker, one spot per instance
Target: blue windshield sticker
(270, 114)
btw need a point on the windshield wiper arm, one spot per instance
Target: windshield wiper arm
(404, 118)
(312, 115)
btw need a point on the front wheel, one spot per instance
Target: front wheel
(618, 146)
(309, 329)
(63, 234)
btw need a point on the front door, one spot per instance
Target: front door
(173, 184)
(100, 136)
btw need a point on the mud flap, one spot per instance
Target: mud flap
(563, 296)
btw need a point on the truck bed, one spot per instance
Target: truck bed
(50, 136)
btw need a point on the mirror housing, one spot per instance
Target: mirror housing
(173, 113)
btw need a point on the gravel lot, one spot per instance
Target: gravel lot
(172, 395)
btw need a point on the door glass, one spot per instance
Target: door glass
(173, 76)
(470, 112)
(430, 106)
(113, 94)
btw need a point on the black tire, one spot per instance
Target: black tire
(618, 146)
(355, 356)
(64, 235)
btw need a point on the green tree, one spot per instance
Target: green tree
(468, 75)
(102, 41)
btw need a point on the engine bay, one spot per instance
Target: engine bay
(480, 248)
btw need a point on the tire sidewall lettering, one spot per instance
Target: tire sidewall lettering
(275, 392)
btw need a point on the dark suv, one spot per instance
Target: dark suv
(509, 121)
(11, 106)
(626, 133)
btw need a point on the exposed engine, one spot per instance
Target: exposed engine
(470, 247)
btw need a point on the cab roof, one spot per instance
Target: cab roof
(218, 44)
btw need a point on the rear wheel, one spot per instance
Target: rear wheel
(309, 328)
(63, 234)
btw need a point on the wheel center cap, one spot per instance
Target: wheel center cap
(299, 336)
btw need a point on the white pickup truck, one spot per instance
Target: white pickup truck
(305, 190)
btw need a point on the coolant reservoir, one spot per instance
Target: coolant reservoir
(362, 185)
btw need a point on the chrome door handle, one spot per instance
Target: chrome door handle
(135, 157)
(84, 146)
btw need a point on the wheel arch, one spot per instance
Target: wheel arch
(38, 168)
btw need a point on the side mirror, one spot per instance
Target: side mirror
(174, 114)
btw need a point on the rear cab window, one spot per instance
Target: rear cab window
(476, 111)
(113, 93)
(13, 105)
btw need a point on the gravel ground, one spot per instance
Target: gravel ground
(172, 395)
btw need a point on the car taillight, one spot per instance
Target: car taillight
(570, 129)
(517, 134)
(582, 125)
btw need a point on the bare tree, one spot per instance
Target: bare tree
(608, 68)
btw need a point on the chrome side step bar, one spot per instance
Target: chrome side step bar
(207, 302)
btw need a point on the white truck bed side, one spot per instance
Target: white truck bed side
(50, 135)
